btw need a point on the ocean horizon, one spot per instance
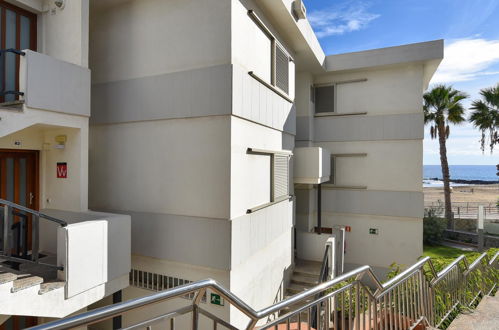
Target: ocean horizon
(459, 172)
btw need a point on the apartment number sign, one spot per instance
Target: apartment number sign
(62, 170)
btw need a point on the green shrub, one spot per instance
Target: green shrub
(433, 226)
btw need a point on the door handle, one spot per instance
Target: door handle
(31, 197)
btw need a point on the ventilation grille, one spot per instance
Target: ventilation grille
(281, 176)
(158, 282)
(282, 69)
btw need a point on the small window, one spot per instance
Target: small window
(324, 99)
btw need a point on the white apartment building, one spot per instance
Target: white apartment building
(205, 132)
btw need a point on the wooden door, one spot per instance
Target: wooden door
(19, 184)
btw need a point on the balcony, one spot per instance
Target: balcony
(46, 91)
(312, 165)
(51, 267)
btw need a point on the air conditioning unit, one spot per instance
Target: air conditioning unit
(299, 9)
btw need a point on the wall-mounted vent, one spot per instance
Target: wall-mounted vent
(299, 9)
(281, 176)
(281, 69)
(158, 282)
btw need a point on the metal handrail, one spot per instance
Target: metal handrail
(10, 210)
(377, 303)
(33, 212)
(13, 51)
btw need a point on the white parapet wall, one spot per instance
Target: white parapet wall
(312, 165)
(93, 253)
(54, 85)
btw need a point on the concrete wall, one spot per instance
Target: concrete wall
(151, 37)
(251, 99)
(380, 185)
(172, 167)
(63, 33)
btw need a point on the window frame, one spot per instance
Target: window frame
(4, 6)
(273, 62)
(273, 199)
(335, 85)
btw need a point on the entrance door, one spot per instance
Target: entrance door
(19, 184)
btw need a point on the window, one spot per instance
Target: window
(17, 31)
(279, 60)
(324, 98)
(279, 176)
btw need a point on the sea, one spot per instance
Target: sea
(458, 172)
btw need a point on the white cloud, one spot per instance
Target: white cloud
(340, 19)
(467, 59)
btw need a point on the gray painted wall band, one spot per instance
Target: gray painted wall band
(164, 236)
(363, 128)
(373, 202)
(192, 93)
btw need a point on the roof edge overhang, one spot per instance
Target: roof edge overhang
(429, 53)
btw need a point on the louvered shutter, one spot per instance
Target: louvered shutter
(281, 176)
(282, 69)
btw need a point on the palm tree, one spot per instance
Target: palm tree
(442, 105)
(485, 116)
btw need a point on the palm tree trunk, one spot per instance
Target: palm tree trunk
(445, 173)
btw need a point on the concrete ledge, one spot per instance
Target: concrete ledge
(467, 237)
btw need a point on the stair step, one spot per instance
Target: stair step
(50, 286)
(308, 267)
(25, 283)
(295, 288)
(7, 277)
(304, 279)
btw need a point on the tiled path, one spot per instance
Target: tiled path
(485, 317)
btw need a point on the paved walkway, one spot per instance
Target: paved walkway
(456, 245)
(485, 317)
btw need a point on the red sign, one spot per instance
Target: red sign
(62, 170)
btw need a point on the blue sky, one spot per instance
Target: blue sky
(471, 32)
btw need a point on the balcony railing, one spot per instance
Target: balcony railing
(14, 240)
(6, 92)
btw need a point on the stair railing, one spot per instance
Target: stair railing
(345, 302)
(323, 277)
(8, 212)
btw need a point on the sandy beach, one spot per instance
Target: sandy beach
(472, 195)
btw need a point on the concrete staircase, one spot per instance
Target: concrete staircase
(20, 284)
(304, 277)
